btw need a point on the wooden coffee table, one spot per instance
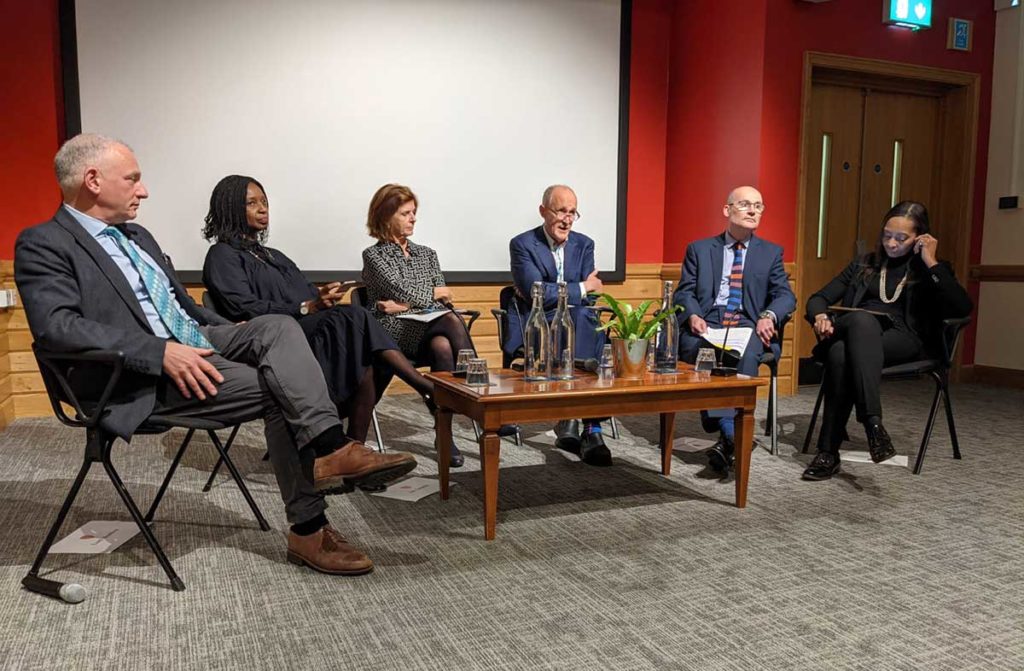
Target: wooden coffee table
(511, 400)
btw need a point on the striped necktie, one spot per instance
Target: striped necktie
(732, 308)
(184, 329)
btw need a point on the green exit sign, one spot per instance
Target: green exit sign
(914, 14)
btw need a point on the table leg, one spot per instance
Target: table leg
(443, 445)
(490, 446)
(744, 446)
(668, 425)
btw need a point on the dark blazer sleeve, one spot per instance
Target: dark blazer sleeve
(833, 292)
(225, 278)
(526, 271)
(686, 292)
(781, 299)
(949, 295)
(53, 300)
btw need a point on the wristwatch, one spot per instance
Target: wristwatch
(304, 308)
(766, 314)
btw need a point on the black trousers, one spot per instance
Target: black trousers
(854, 356)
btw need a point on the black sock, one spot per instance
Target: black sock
(328, 441)
(311, 526)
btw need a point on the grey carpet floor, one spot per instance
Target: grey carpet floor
(615, 568)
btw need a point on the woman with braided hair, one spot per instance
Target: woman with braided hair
(246, 279)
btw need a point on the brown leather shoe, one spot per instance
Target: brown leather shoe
(327, 551)
(356, 465)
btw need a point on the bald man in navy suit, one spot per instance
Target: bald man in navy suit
(733, 278)
(549, 254)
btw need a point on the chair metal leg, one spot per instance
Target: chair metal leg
(52, 533)
(170, 474)
(176, 583)
(948, 402)
(476, 431)
(238, 481)
(519, 437)
(615, 428)
(928, 428)
(773, 413)
(216, 467)
(376, 431)
(814, 417)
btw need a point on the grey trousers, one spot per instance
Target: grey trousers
(269, 372)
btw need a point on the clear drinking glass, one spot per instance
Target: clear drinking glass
(462, 362)
(705, 360)
(476, 373)
(606, 366)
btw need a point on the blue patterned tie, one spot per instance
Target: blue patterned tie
(732, 308)
(184, 329)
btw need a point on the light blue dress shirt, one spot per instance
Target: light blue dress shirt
(95, 228)
(558, 253)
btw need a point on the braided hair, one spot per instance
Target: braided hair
(226, 219)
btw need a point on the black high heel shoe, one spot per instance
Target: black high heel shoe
(879, 444)
(455, 458)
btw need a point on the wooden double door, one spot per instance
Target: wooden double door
(866, 150)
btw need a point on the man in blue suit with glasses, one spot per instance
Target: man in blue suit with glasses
(733, 279)
(553, 253)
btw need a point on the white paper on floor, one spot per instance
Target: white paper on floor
(688, 444)
(865, 458)
(97, 537)
(412, 489)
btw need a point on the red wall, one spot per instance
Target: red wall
(29, 99)
(714, 124)
(648, 116)
(854, 28)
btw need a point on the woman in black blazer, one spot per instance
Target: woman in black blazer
(902, 292)
(247, 279)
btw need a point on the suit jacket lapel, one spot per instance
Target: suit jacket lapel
(716, 247)
(106, 264)
(547, 259)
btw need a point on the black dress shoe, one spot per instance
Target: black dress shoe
(720, 456)
(508, 430)
(879, 443)
(594, 452)
(455, 458)
(823, 466)
(567, 435)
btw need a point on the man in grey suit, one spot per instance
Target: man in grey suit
(90, 280)
(733, 279)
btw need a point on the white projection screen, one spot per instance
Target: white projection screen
(477, 105)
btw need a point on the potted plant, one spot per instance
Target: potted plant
(630, 330)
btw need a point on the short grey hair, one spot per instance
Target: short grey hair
(77, 153)
(546, 198)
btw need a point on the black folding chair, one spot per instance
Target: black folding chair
(56, 369)
(937, 368)
(360, 298)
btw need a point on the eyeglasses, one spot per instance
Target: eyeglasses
(571, 215)
(744, 205)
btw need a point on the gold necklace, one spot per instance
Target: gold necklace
(899, 287)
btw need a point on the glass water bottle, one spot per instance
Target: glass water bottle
(563, 338)
(537, 339)
(666, 344)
